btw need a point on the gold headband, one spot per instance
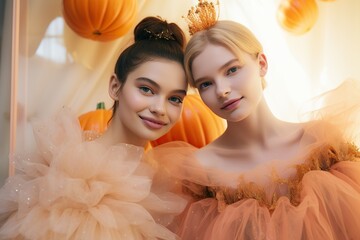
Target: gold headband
(202, 16)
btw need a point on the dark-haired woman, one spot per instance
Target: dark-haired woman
(100, 187)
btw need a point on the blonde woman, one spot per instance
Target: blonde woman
(263, 178)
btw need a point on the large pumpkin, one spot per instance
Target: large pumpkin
(297, 16)
(100, 20)
(96, 120)
(197, 125)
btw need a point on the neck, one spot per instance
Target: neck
(258, 128)
(117, 133)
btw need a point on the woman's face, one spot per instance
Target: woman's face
(230, 87)
(150, 101)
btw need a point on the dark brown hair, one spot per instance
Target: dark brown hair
(154, 38)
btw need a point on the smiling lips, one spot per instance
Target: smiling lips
(231, 104)
(153, 123)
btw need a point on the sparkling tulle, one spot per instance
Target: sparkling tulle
(76, 189)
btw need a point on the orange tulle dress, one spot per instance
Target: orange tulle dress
(315, 195)
(73, 188)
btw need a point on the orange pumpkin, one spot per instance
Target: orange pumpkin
(198, 125)
(96, 120)
(297, 16)
(103, 20)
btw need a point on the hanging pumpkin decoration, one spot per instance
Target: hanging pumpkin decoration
(297, 16)
(198, 125)
(96, 120)
(103, 20)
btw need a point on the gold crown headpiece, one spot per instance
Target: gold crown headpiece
(202, 16)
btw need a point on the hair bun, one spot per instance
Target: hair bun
(155, 28)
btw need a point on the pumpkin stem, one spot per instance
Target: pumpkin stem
(100, 105)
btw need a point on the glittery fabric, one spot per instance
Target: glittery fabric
(74, 188)
(317, 198)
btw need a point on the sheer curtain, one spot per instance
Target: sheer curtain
(58, 68)
(5, 76)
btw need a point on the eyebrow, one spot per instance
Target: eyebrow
(148, 80)
(179, 91)
(222, 67)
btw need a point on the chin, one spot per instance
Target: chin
(235, 119)
(152, 136)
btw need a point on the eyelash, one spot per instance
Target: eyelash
(202, 87)
(232, 70)
(178, 100)
(148, 91)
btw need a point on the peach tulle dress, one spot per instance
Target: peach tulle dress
(315, 195)
(73, 188)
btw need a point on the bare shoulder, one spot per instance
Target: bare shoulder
(324, 131)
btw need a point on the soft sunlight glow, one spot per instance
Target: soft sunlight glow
(51, 46)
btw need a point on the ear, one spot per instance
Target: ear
(263, 64)
(114, 87)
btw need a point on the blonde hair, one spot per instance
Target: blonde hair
(232, 35)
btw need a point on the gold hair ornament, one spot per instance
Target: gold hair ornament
(202, 16)
(164, 34)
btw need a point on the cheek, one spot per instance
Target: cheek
(251, 83)
(174, 113)
(209, 98)
(255, 87)
(135, 102)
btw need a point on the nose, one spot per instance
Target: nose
(158, 106)
(222, 88)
